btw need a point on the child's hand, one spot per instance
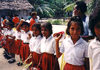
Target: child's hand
(29, 36)
(58, 36)
(21, 21)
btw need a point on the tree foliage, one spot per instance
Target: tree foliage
(92, 5)
(50, 8)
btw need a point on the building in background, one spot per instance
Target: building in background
(19, 7)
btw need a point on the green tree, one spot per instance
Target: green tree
(42, 7)
(59, 10)
(50, 8)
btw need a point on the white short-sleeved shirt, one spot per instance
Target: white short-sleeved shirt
(48, 45)
(4, 31)
(74, 53)
(17, 35)
(25, 36)
(35, 43)
(94, 53)
(10, 32)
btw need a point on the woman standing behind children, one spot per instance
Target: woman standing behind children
(94, 46)
(35, 43)
(48, 49)
(75, 49)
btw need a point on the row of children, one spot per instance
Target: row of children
(45, 49)
(24, 43)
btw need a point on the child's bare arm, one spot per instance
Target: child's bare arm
(18, 27)
(58, 37)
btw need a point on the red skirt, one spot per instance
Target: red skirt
(6, 44)
(35, 59)
(48, 62)
(10, 45)
(17, 46)
(73, 67)
(24, 51)
(1, 42)
(1, 37)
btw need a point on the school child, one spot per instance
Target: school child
(35, 43)
(48, 49)
(3, 32)
(75, 49)
(94, 46)
(18, 41)
(10, 42)
(25, 38)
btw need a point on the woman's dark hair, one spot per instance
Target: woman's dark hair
(25, 23)
(79, 22)
(48, 26)
(38, 26)
(94, 19)
(81, 5)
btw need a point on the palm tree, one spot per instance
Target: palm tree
(59, 10)
(42, 7)
(50, 8)
(92, 5)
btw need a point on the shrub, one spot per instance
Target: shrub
(57, 22)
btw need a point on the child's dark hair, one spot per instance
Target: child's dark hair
(38, 26)
(79, 22)
(48, 26)
(8, 23)
(94, 19)
(81, 5)
(25, 23)
(34, 14)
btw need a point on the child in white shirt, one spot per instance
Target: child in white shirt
(35, 43)
(48, 49)
(94, 46)
(75, 49)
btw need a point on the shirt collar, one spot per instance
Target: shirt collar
(49, 38)
(78, 42)
(37, 36)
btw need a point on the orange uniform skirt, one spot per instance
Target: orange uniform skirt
(17, 46)
(24, 51)
(73, 67)
(48, 62)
